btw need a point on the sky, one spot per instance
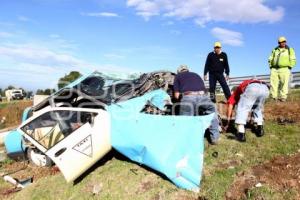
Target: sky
(42, 40)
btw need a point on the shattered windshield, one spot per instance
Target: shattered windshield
(107, 87)
(95, 84)
(100, 89)
(52, 127)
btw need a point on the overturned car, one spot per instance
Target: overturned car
(79, 124)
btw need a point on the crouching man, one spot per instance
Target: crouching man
(249, 96)
(194, 101)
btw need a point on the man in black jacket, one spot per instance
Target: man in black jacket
(216, 64)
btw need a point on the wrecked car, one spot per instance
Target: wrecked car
(79, 124)
(95, 90)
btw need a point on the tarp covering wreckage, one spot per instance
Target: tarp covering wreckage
(172, 145)
(76, 137)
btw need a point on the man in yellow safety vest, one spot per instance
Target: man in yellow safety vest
(281, 61)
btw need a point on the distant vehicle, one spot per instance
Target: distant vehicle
(14, 94)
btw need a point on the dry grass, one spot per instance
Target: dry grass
(11, 113)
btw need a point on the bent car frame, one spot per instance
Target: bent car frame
(79, 124)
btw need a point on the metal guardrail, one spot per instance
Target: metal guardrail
(235, 81)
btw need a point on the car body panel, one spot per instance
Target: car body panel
(26, 114)
(13, 142)
(75, 152)
(14, 145)
(170, 144)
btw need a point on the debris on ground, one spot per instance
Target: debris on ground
(231, 164)
(20, 172)
(215, 154)
(284, 121)
(286, 168)
(19, 184)
(97, 188)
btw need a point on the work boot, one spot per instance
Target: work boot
(282, 100)
(273, 100)
(259, 130)
(214, 142)
(241, 137)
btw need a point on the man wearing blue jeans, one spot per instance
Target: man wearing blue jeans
(194, 101)
(249, 96)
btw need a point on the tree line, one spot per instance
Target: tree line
(62, 82)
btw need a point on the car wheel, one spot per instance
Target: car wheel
(38, 158)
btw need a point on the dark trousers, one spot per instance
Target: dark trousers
(213, 78)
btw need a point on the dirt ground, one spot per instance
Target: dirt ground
(281, 112)
(22, 171)
(281, 173)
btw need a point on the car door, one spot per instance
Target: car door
(74, 138)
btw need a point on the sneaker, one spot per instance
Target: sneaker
(241, 137)
(259, 131)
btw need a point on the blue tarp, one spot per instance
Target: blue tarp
(172, 145)
(13, 141)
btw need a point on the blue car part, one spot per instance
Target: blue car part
(26, 113)
(13, 141)
(172, 145)
(14, 145)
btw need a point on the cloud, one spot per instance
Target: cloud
(37, 55)
(23, 18)
(33, 66)
(58, 41)
(169, 23)
(229, 37)
(36, 65)
(175, 32)
(55, 36)
(145, 8)
(113, 56)
(204, 11)
(6, 24)
(5, 34)
(101, 14)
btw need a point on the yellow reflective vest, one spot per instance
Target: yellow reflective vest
(282, 57)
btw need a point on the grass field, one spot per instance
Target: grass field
(226, 176)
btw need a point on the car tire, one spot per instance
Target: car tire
(38, 158)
